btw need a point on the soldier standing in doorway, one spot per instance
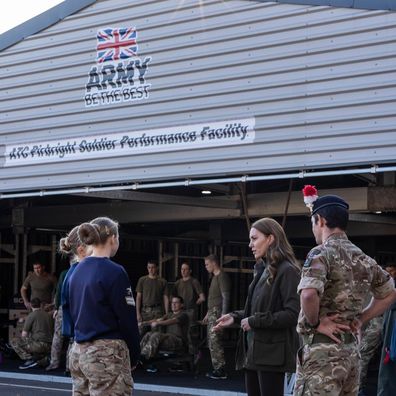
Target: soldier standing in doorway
(219, 297)
(41, 284)
(152, 300)
(190, 290)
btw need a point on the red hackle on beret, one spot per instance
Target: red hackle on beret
(310, 195)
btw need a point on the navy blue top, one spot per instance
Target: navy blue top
(102, 305)
(67, 322)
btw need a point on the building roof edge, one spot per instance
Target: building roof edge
(389, 5)
(42, 21)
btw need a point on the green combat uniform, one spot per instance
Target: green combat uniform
(219, 286)
(174, 339)
(371, 340)
(153, 291)
(57, 341)
(189, 290)
(343, 276)
(39, 326)
(41, 287)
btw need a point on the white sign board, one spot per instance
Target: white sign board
(190, 137)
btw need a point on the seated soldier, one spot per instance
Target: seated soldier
(35, 342)
(174, 338)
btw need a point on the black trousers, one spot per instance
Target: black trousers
(264, 383)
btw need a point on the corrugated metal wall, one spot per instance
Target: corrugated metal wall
(320, 82)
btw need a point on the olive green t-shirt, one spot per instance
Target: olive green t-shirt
(152, 290)
(189, 290)
(179, 329)
(40, 326)
(41, 287)
(220, 284)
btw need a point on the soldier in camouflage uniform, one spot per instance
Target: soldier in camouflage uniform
(218, 304)
(336, 278)
(35, 342)
(152, 299)
(174, 337)
(371, 340)
(58, 339)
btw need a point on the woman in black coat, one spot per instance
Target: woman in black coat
(268, 341)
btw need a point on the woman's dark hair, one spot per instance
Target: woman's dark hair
(97, 231)
(70, 243)
(335, 216)
(280, 250)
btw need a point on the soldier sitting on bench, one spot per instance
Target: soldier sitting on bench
(173, 338)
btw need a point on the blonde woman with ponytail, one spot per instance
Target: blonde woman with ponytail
(268, 339)
(106, 337)
(72, 248)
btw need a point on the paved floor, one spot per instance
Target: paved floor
(14, 387)
(37, 381)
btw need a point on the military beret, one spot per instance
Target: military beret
(329, 200)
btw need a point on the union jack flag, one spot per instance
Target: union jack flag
(115, 44)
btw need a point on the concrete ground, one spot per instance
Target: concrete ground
(36, 381)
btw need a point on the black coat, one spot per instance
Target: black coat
(273, 318)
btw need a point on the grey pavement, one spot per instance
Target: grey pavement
(21, 384)
(16, 387)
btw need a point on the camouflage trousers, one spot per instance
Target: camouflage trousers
(215, 340)
(327, 369)
(27, 348)
(101, 368)
(153, 341)
(149, 313)
(371, 340)
(57, 340)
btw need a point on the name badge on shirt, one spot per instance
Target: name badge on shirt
(129, 297)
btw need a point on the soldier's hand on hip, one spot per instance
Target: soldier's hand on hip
(331, 328)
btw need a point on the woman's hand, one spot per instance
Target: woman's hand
(245, 324)
(224, 321)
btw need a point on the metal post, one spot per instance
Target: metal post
(16, 264)
(24, 254)
(176, 261)
(287, 204)
(160, 255)
(53, 253)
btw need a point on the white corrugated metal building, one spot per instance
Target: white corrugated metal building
(101, 99)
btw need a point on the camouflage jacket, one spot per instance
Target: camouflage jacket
(343, 276)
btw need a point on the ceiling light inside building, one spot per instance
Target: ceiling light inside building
(206, 192)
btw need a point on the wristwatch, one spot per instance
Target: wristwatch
(313, 327)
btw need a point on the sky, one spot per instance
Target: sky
(15, 12)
